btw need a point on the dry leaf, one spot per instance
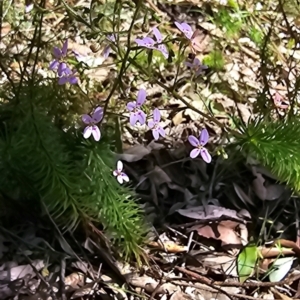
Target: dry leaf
(219, 264)
(134, 153)
(274, 191)
(225, 231)
(258, 187)
(211, 212)
(170, 247)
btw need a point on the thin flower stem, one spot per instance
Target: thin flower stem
(125, 58)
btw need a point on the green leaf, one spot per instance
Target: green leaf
(280, 268)
(274, 144)
(214, 60)
(246, 262)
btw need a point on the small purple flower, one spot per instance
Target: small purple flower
(136, 114)
(67, 75)
(186, 29)
(121, 176)
(150, 43)
(157, 130)
(91, 121)
(59, 54)
(107, 48)
(196, 66)
(194, 37)
(199, 146)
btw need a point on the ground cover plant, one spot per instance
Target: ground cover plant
(129, 127)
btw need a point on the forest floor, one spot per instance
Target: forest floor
(210, 223)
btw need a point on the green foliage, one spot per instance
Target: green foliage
(214, 60)
(256, 35)
(72, 177)
(246, 262)
(275, 145)
(231, 22)
(119, 213)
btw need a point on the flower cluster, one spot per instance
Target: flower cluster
(64, 73)
(199, 144)
(91, 121)
(150, 43)
(136, 113)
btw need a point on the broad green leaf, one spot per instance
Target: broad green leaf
(280, 268)
(246, 262)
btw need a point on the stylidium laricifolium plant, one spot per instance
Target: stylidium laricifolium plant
(199, 144)
(150, 43)
(121, 217)
(136, 113)
(121, 176)
(91, 121)
(196, 67)
(59, 64)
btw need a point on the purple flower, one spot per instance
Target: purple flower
(194, 37)
(59, 55)
(185, 28)
(107, 48)
(67, 75)
(137, 115)
(121, 176)
(154, 125)
(150, 43)
(196, 66)
(91, 121)
(199, 146)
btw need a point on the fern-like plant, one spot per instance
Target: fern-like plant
(71, 176)
(275, 144)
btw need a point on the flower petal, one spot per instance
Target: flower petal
(193, 141)
(87, 132)
(133, 119)
(141, 116)
(205, 155)
(53, 64)
(86, 119)
(151, 124)
(62, 68)
(196, 62)
(73, 80)
(178, 25)
(125, 177)
(63, 80)
(156, 115)
(185, 28)
(163, 49)
(204, 137)
(115, 173)
(157, 34)
(194, 153)
(161, 131)
(200, 70)
(106, 51)
(141, 97)
(112, 37)
(120, 179)
(146, 42)
(96, 133)
(189, 64)
(155, 134)
(131, 106)
(57, 52)
(98, 115)
(119, 166)
(64, 48)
